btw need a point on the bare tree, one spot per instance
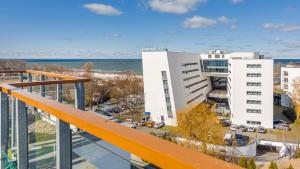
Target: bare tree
(296, 97)
(92, 86)
(200, 124)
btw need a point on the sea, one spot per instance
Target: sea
(114, 65)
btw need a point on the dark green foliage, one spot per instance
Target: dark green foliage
(243, 162)
(290, 167)
(273, 165)
(251, 164)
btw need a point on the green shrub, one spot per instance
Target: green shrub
(251, 164)
(290, 167)
(243, 162)
(297, 122)
(273, 165)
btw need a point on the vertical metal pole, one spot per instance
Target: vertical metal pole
(21, 77)
(13, 122)
(4, 131)
(42, 87)
(79, 96)
(63, 139)
(30, 80)
(22, 135)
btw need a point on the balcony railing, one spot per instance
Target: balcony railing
(156, 151)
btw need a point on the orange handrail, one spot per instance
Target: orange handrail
(152, 149)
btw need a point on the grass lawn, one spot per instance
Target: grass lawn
(167, 128)
(40, 137)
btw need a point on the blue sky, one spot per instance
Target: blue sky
(121, 28)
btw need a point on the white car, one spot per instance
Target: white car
(261, 129)
(251, 129)
(243, 128)
(282, 126)
(159, 125)
(233, 127)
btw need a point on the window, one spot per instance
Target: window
(189, 64)
(286, 80)
(253, 65)
(253, 102)
(193, 84)
(253, 74)
(189, 78)
(189, 71)
(199, 89)
(168, 99)
(166, 91)
(253, 84)
(285, 73)
(162, 118)
(253, 111)
(254, 122)
(215, 65)
(286, 86)
(193, 99)
(254, 93)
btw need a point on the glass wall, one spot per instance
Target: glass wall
(214, 66)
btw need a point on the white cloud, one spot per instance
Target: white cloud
(102, 9)
(293, 45)
(282, 27)
(277, 39)
(233, 26)
(203, 22)
(174, 6)
(236, 1)
(112, 35)
(199, 22)
(223, 19)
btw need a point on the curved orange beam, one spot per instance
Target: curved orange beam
(152, 149)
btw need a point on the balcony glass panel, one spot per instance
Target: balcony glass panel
(214, 66)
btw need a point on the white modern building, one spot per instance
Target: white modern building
(289, 74)
(241, 82)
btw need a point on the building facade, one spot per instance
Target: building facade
(289, 74)
(240, 82)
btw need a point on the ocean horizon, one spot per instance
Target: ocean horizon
(113, 65)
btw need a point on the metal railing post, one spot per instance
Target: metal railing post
(30, 80)
(22, 135)
(13, 122)
(42, 87)
(21, 77)
(79, 96)
(4, 128)
(63, 139)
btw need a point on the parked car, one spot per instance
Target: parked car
(279, 122)
(142, 123)
(128, 124)
(115, 110)
(251, 129)
(233, 127)
(159, 125)
(107, 102)
(150, 124)
(243, 128)
(241, 139)
(228, 138)
(225, 122)
(261, 129)
(282, 126)
(102, 112)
